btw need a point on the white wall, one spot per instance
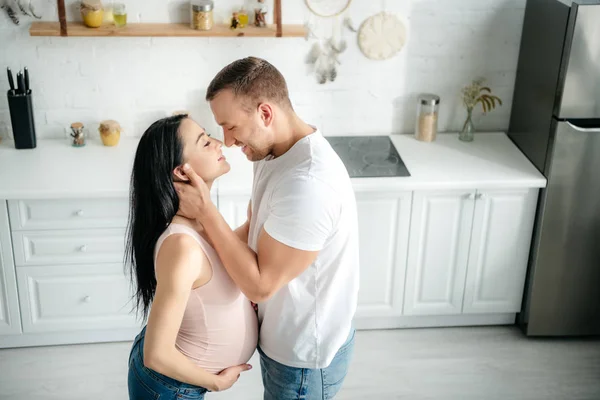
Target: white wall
(137, 80)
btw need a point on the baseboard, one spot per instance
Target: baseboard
(441, 321)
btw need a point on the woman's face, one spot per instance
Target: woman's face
(202, 152)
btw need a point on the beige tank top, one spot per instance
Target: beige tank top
(219, 327)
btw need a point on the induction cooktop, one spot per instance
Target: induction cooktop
(369, 156)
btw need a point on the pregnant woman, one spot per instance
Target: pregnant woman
(201, 329)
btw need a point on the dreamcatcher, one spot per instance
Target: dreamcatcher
(327, 23)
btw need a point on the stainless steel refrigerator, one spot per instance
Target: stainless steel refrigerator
(555, 121)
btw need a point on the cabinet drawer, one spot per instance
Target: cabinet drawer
(74, 298)
(68, 247)
(68, 214)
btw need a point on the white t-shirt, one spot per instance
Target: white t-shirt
(304, 199)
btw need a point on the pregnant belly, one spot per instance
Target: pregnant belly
(229, 339)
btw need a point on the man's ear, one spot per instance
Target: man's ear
(179, 175)
(265, 111)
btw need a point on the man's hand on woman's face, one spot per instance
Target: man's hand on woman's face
(194, 197)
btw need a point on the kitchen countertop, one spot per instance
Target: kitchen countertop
(56, 170)
(491, 161)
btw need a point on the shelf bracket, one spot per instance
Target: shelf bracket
(62, 17)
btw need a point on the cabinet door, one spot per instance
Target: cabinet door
(438, 252)
(234, 209)
(502, 231)
(10, 319)
(384, 223)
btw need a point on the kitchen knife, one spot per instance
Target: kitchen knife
(20, 83)
(11, 82)
(26, 80)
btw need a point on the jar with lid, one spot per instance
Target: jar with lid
(92, 13)
(78, 134)
(110, 132)
(427, 117)
(202, 14)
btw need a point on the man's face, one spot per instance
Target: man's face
(242, 127)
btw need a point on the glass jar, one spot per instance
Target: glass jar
(202, 14)
(92, 13)
(108, 14)
(427, 117)
(110, 132)
(78, 134)
(244, 18)
(119, 15)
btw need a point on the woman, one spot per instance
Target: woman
(201, 329)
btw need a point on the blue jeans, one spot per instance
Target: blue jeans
(144, 383)
(286, 383)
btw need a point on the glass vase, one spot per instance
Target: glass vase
(468, 130)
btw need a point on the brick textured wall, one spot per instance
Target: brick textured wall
(137, 80)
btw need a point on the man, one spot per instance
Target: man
(297, 255)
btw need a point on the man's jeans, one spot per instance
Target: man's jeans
(286, 383)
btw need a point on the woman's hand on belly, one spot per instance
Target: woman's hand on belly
(229, 376)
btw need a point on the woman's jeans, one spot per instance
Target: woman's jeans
(144, 383)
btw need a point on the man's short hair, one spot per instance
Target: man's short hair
(253, 78)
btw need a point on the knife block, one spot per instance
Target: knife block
(21, 117)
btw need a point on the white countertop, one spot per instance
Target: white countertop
(491, 161)
(56, 170)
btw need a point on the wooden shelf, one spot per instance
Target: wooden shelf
(162, 30)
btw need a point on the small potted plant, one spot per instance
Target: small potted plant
(472, 94)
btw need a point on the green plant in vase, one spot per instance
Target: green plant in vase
(472, 94)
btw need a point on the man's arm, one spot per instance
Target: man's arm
(258, 277)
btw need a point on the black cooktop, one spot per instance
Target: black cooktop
(368, 156)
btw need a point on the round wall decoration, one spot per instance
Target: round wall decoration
(381, 36)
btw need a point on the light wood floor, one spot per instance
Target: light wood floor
(451, 364)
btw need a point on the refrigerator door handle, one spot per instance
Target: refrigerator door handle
(581, 129)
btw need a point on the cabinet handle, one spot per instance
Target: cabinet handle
(87, 299)
(79, 213)
(83, 248)
(470, 196)
(480, 196)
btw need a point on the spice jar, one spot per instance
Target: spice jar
(119, 15)
(427, 117)
(244, 18)
(110, 132)
(92, 13)
(78, 134)
(202, 14)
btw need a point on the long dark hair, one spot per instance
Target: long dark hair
(153, 203)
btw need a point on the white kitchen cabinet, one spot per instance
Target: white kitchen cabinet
(468, 251)
(10, 320)
(384, 223)
(499, 251)
(438, 252)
